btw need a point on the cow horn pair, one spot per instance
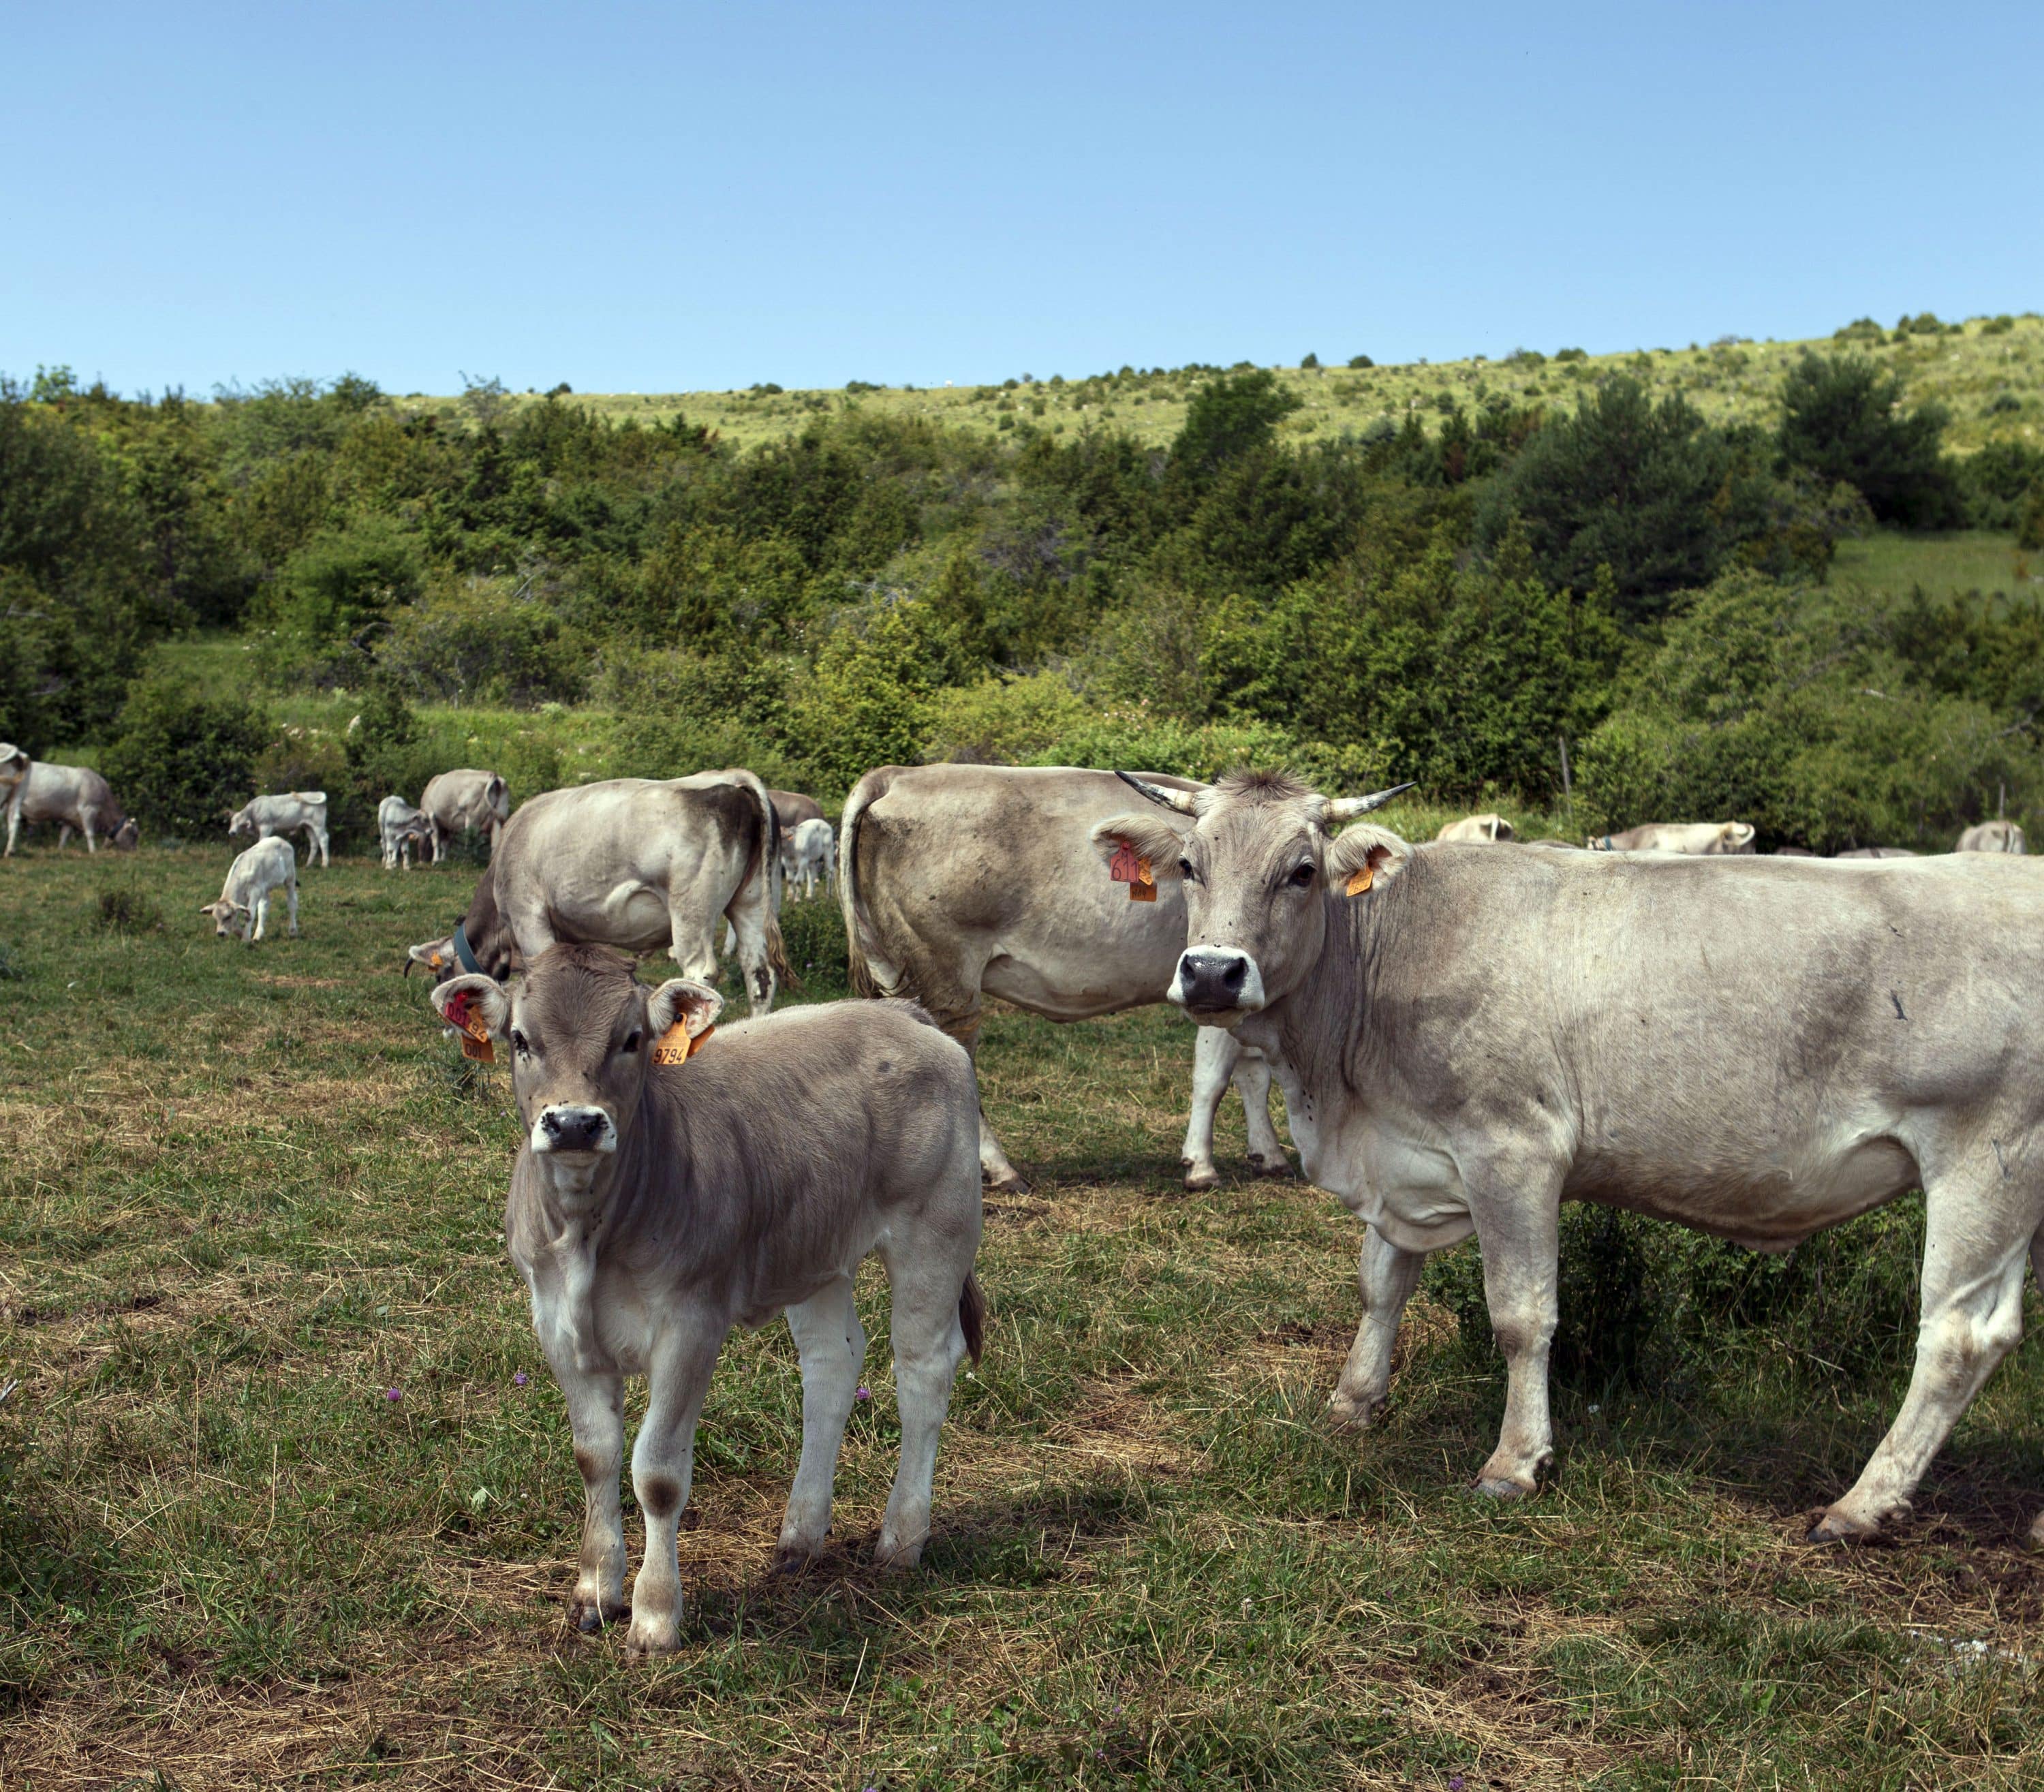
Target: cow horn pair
(1339, 809)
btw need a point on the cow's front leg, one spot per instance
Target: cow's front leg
(831, 1345)
(291, 891)
(1518, 1223)
(1214, 1055)
(663, 1465)
(1252, 1082)
(1387, 1276)
(595, 1415)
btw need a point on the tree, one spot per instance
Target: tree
(1228, 417)
(181, 763)
(1841, 418)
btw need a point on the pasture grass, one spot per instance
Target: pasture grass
(1985, 561)
(275, 1508)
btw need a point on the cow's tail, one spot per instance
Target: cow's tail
(765, 867)
(871, 973)
(972, 1316)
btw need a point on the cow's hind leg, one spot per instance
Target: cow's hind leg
(927, 1276)
(595, 1415)
(663, 1466)
(1252, 1082)
(1977, 1229)
(291, 889)
(831, 1345)
(1388, 1276)
(748, 919)
(1215, 1054)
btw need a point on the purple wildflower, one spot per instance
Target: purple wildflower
(863, 1394)
(518, 1380)
(392, 1394)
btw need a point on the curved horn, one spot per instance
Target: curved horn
(1346, 809)
(1180, 800)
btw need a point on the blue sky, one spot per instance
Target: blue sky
(659, 198)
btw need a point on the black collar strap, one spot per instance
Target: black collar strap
(464, 951)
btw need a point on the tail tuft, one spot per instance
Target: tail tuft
(972, 1316)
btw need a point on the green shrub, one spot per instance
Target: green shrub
(343, 585)
(181, 763)
(1843, 419)
(1005, 721)
(482, 643)
(126, 911)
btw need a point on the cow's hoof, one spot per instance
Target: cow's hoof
(1346, 1414)
(1837, 1526)
(1271, 1166)
(795, 1558)
(1198, 1182)
(1495, 1487)
(1010, 1183)
(895, 1557)
(652, 1636)
(590, 1617)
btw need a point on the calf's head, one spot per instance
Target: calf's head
(1260, 862)
(230, 920)
(582, 1032)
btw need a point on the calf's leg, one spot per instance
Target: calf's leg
(1975, 1236)
(291, 889)
(926, 1279)
(831, 1345)
(1388, 1276)
(595, 1415)
(663, 1465)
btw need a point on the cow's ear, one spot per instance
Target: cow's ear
(681, 1000)
(433, 954)
(1366, 857)
(1153, 839)
(473, 1001)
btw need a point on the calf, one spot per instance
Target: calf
(284, 813)
(403, 831)
(652, 1210)
(1705, 839)
(1486, 828)
(256, 874)
(806, 856)
(1992, 837)
(77, 799)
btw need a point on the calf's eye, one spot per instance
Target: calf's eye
(1185, 868)
(631, 1042)
(1302, 877)
(518, 1044)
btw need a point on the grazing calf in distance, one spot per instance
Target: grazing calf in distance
(284, 814)
(1489, 827)
(656, 1203)
(403, 831)
(1992, 837)
(807, 855)
(1703, 839)
(256, 874)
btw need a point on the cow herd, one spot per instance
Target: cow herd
(1465, 1032)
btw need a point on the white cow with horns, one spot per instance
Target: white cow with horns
(1759, 1048)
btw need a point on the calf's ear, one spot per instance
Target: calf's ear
(682, 1002)
(472, 1002)
(1151, 837)
(1365, 857)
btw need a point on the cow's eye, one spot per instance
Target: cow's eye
(1185, 871)
(519, 1045)
(1302, 877)
(631, 1045)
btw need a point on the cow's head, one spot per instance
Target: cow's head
(127, 836)
(240, 822)
(582, 1030)
(14, 764)
(1259, 858)
(1735, 836)
(230, 920)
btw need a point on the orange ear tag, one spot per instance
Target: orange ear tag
(1360, 880)
(435, 961)
(674, 1046)
(1126, 867)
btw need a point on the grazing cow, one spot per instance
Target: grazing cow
(807, 855)
(465, 801)
(1695, 837)
(670, 1187)
(791, 808)
(957, 882)
(257, 874)
(403, 830)
(1992, 837)
(76, 797)
(1879, 852)
(636, 863)
(1477, 827)
(1796, 1044)
(285, 814)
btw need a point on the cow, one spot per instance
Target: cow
(465, 801)
(257, 874)
(402, 830)
(807, 856)
(670, 1186)
(636, 863)
(956, 882)
(1796, 1044)
(1992, 837)
(284, 814)
(75, 797)
(791, 808)
(1699, 837)
(1477, 827)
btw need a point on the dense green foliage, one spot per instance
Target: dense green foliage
(1447, 598)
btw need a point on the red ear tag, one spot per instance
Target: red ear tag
(476, 1042)
(674, 1046)
(1128, 866)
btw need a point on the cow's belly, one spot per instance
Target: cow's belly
(632, 916)
(1079, 992)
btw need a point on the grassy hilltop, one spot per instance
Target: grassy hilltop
(1990, 371)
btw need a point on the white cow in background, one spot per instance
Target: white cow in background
(403, 830)
(465, 801)
(256, 874)
(1708, 839)
(75, 797)
(1992, 837)
(807, 855)
(284, 813)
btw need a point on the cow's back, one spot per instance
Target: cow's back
(961, 877)
(63, 793)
